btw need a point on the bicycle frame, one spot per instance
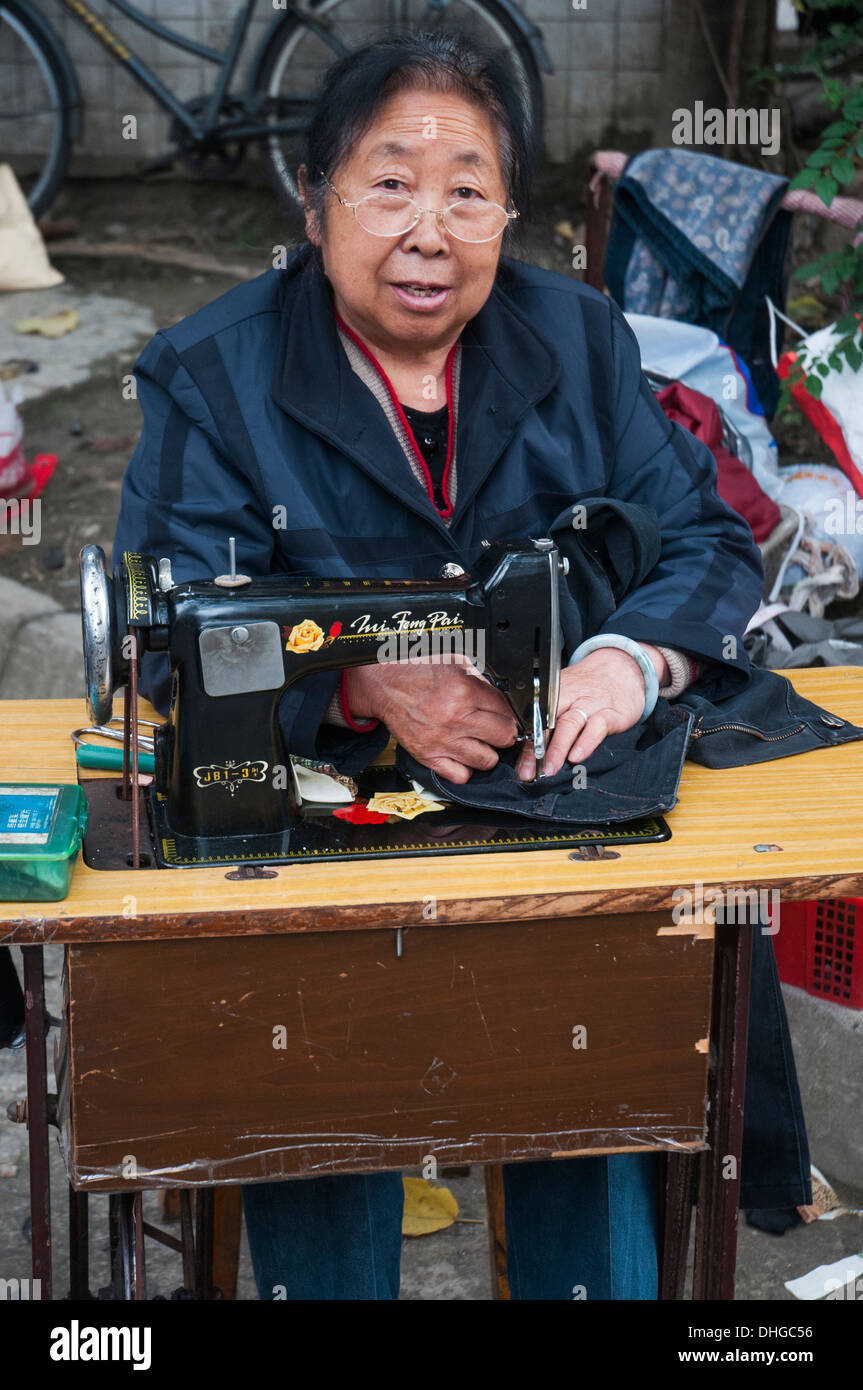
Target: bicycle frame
(226, 62)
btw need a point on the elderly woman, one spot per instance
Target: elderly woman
(402, 392)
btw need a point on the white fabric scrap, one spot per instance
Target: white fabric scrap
(828, 1279)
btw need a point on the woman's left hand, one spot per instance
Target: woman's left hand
(601, 694)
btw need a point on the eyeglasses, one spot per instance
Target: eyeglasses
(392, 214)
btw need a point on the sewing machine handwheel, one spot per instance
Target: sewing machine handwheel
(97, 622)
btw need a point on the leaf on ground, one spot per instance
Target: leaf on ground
(49, 325)
(427, 1208)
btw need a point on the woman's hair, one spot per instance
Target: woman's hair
(356, 87)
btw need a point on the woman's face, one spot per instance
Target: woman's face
(433, 147)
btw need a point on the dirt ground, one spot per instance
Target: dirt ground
(93, 429)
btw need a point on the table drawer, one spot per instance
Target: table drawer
(245, 1059)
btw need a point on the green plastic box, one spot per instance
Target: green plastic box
(41, 828)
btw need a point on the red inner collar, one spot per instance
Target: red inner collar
(446, 511)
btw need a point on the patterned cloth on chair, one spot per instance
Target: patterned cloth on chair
(702, 240)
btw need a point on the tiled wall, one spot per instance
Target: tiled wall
(608, 63)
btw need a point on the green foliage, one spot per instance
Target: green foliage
(829, 168)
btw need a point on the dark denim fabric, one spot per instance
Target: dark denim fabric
(774, 1167)
(769, 719)
(630, 775)
(636, 773)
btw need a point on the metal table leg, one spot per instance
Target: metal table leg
(131, 1241)
(79, 1245)
(719, 1172)
(680, 1173)
(204, 1207)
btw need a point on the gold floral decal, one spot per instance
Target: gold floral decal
(308, 637)
(405, 805)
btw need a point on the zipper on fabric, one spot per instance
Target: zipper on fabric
(698, 732)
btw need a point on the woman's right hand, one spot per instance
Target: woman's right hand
(446, 716)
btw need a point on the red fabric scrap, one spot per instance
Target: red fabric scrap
(737, 486)
(359, 814)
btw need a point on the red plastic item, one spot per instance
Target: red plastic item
(43, 470)
(24, 482)
(789, 943)
(819, 948)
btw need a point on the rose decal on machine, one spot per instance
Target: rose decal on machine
(307, 636)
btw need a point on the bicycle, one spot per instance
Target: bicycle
(41, 107)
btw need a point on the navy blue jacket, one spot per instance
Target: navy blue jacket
(250, 406)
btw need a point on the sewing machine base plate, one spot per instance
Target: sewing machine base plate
(318, 834)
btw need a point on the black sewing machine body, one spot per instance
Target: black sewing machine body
(223, 787)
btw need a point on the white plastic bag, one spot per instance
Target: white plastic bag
(699, 358)
(824, 494)
(837, 414)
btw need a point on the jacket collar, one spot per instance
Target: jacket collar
(507, 366)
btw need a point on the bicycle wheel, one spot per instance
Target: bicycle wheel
(35, 105)
(305, 44)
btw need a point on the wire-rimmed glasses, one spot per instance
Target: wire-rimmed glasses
(394, 214)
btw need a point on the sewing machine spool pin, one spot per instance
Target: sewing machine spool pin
(232, 580)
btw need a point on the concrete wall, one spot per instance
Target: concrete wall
(828, 1049)
(608, 62)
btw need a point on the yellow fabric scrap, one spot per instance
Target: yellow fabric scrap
(406, 805)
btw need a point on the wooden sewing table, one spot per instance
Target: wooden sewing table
(219, 1029)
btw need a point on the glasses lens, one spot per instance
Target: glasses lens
(475, 220)
(386, 214)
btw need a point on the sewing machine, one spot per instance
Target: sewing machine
(236, 644)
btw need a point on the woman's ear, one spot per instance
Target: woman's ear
(313, 230)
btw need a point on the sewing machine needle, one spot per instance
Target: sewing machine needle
(538, 732)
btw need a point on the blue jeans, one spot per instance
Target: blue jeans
(578, 1228)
